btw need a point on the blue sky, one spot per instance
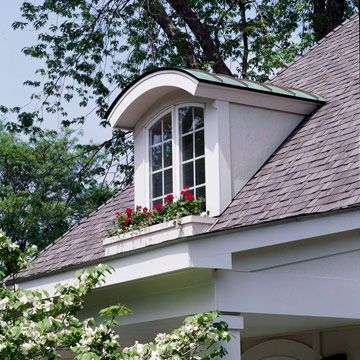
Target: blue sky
(15, 68)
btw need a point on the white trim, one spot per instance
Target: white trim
(134, 103)
(123, 114)
(214, 250)
(282, 294)
(282, 349)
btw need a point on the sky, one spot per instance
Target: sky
(15, 68)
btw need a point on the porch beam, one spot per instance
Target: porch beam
(261, 292)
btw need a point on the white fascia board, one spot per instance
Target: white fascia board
(126, 268)
(210, 250)
(218, 248)
(143, 94)
(291, 105)
(264, 293)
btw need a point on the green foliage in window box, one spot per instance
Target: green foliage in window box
(174, 209)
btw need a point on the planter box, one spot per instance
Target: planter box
(156, 234)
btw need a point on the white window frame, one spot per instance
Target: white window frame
(176, 146)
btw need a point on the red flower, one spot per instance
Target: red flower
(145, 209)
(169, 198)
(158, 207)
(127, 220)
(117, 213)
(138, 207)
(148, 214)
(128, 212)
(189, 197)
(184, 190)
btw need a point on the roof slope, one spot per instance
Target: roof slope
(82, 243)
(317, 169)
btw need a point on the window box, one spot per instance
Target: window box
(156, 234)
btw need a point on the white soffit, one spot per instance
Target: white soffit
(131, 104)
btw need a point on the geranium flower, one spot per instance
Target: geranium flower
(138, 207)
(148, 214)
(145, 209)
(117, 213)
(184, 191)
(158, 207)
(169, 198)
(127, 220)
(128, 212)
(189, 197)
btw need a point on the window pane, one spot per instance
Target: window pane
(168, 181)
(156, 202)
(187, 147)
(188, 174)
(157, 184)
(200, 171)
(167, 127)
(156, 158)
(199, 143)
(167, 154)
(186, 119)
(198, 118)
(155, 133)
(200, 192)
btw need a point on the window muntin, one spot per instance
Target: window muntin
(161, 163)
(191, 124)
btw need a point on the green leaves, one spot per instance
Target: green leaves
(114, 311)
(47, 184)
(35, 326)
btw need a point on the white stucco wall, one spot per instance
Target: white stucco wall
(255, 134)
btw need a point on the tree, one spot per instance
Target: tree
(48, 183)
(36, 326)
(91, 48)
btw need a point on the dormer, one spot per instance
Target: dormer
(209, 132)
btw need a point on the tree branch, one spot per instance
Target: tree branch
(158, 13)
(201, 34)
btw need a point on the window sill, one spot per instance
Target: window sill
(188, 226)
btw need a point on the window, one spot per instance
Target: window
(161, 160)
(191, 121)
(188, 137)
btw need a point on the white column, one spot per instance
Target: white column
(233, 347)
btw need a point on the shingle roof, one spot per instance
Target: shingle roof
(82, 243)
(315, 170)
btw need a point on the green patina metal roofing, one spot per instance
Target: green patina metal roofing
(225, 80)
(252, 85)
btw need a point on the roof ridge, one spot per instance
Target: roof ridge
(315, 45)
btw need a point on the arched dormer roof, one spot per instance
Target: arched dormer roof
(145, 91)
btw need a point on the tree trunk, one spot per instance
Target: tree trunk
(202, 35)
(334, 14)
(327, 15)
(158, 13)
(243, 27)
